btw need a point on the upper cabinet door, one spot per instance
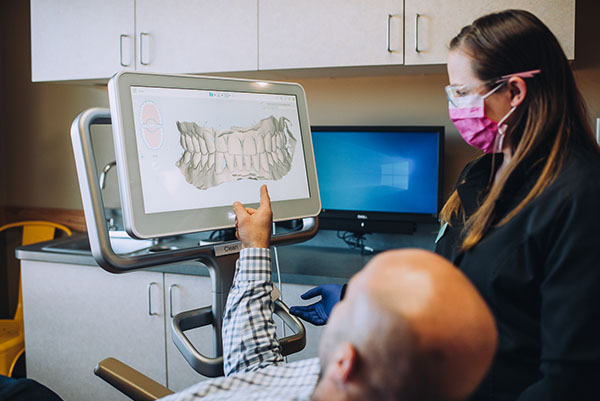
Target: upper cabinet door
(196, 36)
(83, 39)
(332, 33)
(431, 24)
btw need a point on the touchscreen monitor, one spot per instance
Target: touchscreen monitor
(187, 147)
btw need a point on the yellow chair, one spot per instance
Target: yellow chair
(12, 333)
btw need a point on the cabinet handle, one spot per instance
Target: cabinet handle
(417, 33)
(142, 34)
(171, 298)
(121, 50)
(389, 19)
(150, 299)
(389, 33)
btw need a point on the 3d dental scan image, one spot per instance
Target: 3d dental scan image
(215, 143)
(211, 157)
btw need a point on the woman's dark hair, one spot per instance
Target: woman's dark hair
(551, 120)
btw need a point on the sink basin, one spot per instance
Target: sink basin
(120, 242)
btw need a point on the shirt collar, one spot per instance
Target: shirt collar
(480, 174)
(476, 180)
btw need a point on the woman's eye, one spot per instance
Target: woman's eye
(461, 93)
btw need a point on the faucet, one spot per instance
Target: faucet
(104, 172)
(102, 181)
(111, 224)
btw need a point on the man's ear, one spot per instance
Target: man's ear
(345, 363)
(518, 90)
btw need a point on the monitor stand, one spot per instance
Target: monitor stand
(220, 259)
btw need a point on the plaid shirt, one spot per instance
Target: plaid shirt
(253, 363)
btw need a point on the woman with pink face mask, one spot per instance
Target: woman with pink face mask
(523, 222)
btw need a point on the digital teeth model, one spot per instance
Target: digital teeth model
(211, 157)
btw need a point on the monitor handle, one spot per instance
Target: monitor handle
(213, 366)
(93, 208)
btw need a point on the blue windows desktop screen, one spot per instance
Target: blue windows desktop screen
(379, 169)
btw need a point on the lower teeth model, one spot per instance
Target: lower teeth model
(261, 152)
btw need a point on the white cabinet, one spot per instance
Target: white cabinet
(183, 36)
(334, 33)
(431, 24)
(88, 39)
(82, 39)
(77, 315)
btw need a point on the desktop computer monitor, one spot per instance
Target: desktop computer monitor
(378, 178)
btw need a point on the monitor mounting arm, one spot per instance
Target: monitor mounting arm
(219, 259)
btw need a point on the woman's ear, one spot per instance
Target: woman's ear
(518, 90)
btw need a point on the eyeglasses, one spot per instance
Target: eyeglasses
(456, 92)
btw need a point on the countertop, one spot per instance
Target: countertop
(308, 263)
(323, 259)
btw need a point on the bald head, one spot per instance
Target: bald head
(418, 326)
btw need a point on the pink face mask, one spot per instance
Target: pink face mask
(468, 115)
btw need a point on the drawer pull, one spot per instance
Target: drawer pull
(150, 299)
(171, 298)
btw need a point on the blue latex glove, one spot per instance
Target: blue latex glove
(318, 313)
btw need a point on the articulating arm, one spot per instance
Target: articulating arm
(221, 268)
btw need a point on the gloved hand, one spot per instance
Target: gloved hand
(318, 313)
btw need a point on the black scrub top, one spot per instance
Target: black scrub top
(540, 275)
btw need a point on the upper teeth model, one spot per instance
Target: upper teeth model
(261, 152)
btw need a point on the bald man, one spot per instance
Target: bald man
(410, 327)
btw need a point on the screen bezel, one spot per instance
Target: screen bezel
(377, 221)
(141, 225)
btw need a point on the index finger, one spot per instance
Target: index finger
(265, 199)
